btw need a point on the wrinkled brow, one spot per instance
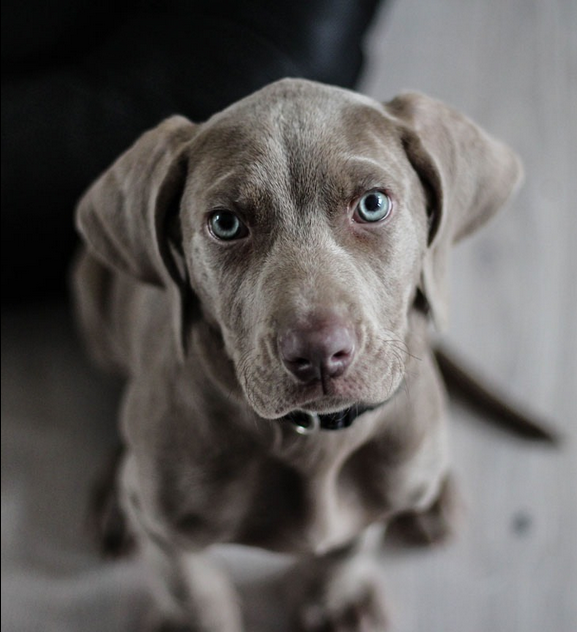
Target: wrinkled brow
(239, 191)
(361, 174)
(253, 190)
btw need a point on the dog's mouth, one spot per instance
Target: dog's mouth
(308, 418)
(273, 395)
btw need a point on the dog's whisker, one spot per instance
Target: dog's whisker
(401, 346)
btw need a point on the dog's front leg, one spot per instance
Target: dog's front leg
(191, 593)
(342, 590)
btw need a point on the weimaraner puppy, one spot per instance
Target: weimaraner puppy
(265, 282)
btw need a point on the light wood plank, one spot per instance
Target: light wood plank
(511, 66)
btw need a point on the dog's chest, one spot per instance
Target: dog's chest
(292, 510)
(298, 505)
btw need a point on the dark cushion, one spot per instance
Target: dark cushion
(81, 81)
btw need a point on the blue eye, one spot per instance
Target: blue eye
(226, 226)
(374, 206)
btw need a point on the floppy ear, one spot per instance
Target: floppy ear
(467, 176)
(125, 215)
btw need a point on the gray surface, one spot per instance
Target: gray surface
(512, 66)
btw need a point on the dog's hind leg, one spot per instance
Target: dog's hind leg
(106, 518)
(434, 525)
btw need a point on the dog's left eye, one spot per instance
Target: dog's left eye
(226, 225)
(374, 206)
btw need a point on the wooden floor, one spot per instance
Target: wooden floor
(512, 66)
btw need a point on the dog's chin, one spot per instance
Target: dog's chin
(314, 398)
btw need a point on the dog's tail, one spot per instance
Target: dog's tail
(464, 383)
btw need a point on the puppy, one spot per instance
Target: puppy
(265, 283)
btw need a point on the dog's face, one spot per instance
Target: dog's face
(309, 219)
(304, 235)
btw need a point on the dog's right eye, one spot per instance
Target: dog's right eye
(226, 225)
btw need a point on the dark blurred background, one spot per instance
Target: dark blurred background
(81, 80)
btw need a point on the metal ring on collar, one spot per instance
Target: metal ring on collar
(312, 425)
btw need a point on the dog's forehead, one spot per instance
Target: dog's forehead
(292, 101)
(288, 139)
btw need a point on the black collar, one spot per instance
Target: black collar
(307, 423)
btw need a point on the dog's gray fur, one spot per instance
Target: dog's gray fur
(194, 324)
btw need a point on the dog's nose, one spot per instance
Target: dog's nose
(324, 350)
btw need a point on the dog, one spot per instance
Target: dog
(266, 283)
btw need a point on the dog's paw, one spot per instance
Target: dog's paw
(169, 626)
(351, 602)
(361, 615)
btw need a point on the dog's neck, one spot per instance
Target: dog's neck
(308, 423)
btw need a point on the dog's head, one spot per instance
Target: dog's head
(306, 220)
